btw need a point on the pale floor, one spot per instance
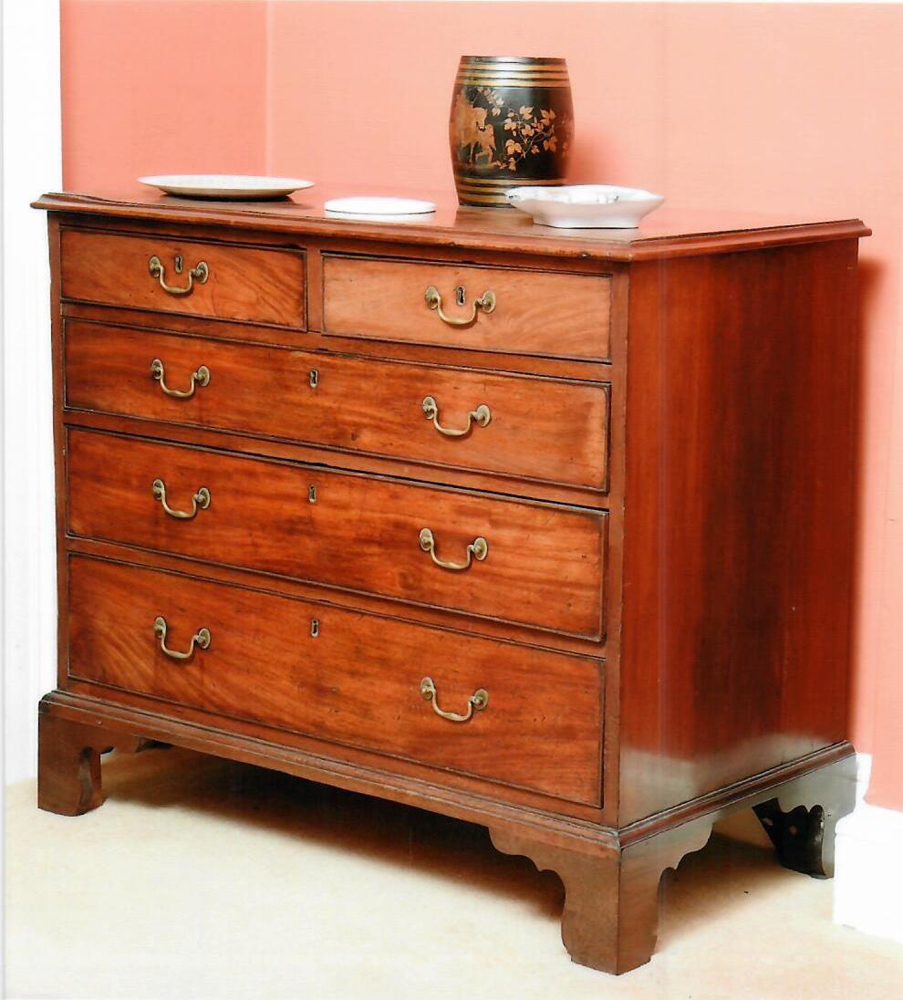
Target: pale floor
(202, 878)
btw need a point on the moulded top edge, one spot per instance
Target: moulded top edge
(669, 232)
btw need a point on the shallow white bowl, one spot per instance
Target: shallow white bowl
(585, 206)
(230, 187)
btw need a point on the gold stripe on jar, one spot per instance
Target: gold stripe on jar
(512, 80)
(507, 182)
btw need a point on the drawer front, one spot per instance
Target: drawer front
(535, 312)
(241, 283)
(542, 565)
(357, 681)
(538, 428)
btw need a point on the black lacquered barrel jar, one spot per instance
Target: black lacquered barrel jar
(511, 124)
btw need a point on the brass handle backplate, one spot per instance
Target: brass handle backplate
(486, 302)
(199, 272)
(481, 416)
(478, 549)
(200, 501)
(476, 702)
(201, 638)
(200, 377)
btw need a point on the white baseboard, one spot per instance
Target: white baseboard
(868, 874)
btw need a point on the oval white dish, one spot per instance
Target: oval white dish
(585, 206)
(379, 206)
(230, 187)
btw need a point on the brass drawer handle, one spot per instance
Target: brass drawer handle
(486, 302)
(481, 415)
(199, 271)
(201, 377)
(201, 638)
(200, 501)
(477, 701)
(478, 549)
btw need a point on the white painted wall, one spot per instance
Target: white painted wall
(31, 165)
(868, 878)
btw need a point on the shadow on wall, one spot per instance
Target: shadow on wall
(872, 279)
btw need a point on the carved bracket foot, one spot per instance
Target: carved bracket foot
(798, 836)
(801, 819)
(69, 763)
(610, 916)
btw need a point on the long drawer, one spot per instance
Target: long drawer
(533, 717)
(164, 273)
(518, 561)
(537, 428)
(549, 313)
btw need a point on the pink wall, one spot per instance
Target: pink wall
(149, 84)
(774, 108)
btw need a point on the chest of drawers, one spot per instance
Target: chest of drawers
(550, 532)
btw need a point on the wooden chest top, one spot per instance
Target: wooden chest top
(668, 232)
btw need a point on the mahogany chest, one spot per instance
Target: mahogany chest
(551, 532)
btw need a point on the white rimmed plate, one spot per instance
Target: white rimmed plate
(370, 207)
(229, 187)
(585, 206)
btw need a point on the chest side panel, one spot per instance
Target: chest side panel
(739, 525)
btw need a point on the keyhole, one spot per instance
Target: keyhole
(178, 263)
(312, 494)
(314, 627)
(460, 295)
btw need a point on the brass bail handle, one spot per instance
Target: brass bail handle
(476, 702)
(478, 549)
(433, 299)
(480, 416)
(200, 501)
(199, 272)
(199, 377)
(201, 639)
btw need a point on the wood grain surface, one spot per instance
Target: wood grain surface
(540, 428)
(672, 231)
(536, 312)
(740, 518)
(253, 285)
(357, 681)
(544, 566)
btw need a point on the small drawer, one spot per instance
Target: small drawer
(165, 274)
(528, 717)
(519, 561)
(552, 430)
(548, 313)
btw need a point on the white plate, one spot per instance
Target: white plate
(585, 206)
(232, 187)
(380, 206)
